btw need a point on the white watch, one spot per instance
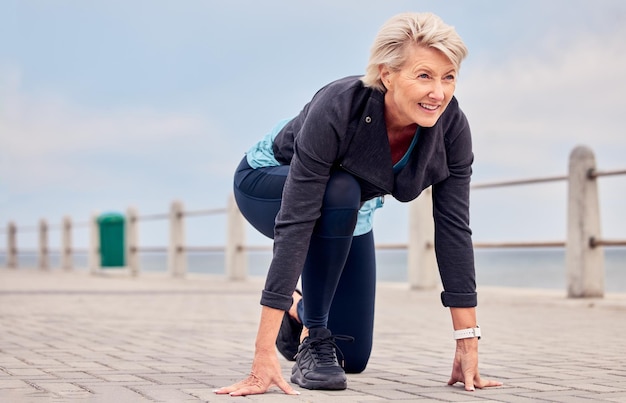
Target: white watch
(467, 333)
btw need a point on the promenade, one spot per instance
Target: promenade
(112, 338)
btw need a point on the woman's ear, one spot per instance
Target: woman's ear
(385, 75)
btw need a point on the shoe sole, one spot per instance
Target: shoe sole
(332, 384)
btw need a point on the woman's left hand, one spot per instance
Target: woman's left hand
(465, 366)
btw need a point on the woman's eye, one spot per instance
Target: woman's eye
(423, 75)
(449, 77)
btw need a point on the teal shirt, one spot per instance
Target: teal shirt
(261, 155)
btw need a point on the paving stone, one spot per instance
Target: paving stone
(73, 336)
(62, 389)
(12, 383)
(115, 393)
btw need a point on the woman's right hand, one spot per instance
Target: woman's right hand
(265, 373)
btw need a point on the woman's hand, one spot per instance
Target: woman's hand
(266, 370)
(265, 373)
(465, 366)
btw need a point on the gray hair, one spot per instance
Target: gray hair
(402, 30)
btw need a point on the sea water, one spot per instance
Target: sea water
(526, 268)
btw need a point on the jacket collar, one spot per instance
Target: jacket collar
(369, 154)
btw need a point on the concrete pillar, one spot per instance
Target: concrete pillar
(176, 256)
(585, 263)
(423, 270)
(12, 246)
(44, 258)
(236, 256)
(132, 243)
(93, 259)
(66, 244)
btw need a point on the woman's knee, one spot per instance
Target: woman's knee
(356, 367)
(340, 207)
(342, 191)
(355, 360)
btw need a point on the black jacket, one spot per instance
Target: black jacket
(343, 127)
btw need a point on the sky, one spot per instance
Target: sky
(108, 104)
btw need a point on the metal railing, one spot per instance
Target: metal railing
(584, 257)
(592, 174)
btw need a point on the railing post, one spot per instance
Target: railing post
(94, 245)
(12, 245)
(132, 244)
(423, 269)
(236, 256)
(66, 244)
(584, 262)
(176, 257)
(44, 260)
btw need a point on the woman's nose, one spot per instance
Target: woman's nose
(436, 91)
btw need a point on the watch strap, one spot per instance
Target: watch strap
(467, 333)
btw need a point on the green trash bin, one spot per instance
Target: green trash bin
(112, 245)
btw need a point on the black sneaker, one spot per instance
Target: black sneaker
(288, 338)
(316, 364)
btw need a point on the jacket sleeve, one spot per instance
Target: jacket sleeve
(314, 153)
(453, 236)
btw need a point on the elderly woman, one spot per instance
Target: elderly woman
(313, 183)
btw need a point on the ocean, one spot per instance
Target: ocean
(524, 268)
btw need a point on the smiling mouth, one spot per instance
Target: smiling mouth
(429, 107)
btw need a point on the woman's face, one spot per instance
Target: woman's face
(421, 90)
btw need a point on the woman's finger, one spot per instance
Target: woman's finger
(487, 383)
(247, 390)
(254, 386)
(286, 387)
(227, 389)
(249, 386)
(469, 381)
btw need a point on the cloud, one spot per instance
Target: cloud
(50, 124)
(528, 110)
(47, 140)
(101, 109)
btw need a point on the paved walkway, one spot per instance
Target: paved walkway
(77, 337)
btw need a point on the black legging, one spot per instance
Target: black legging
(339, 275)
